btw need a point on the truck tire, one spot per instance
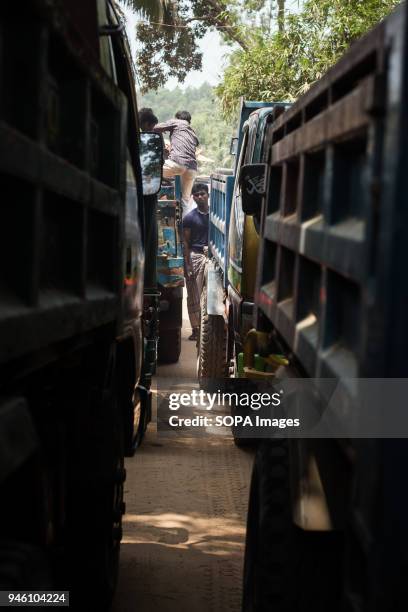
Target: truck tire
(169, 348)
(96, 556)
(130, 400)
(23, 566)
(95, 492)
(240, 441)
(243, 385)
(138, 426)
(212, 348)
(286, 569)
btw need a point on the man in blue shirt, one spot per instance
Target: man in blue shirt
(195, 241)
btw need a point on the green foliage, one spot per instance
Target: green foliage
(212, 131)
(169, 45)
(284, 65)
(277, 54)
(165, 52)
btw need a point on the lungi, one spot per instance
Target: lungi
(194, 286)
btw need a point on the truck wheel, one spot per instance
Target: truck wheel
(169, 348)
(95, 494)
(138, 424)
(212, 351)
(238, 384)
(23, 566)
(94, 552)
(129, 398)
(240, 441)
(286, 569)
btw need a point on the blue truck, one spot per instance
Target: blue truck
(170, 271)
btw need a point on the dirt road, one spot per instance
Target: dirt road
(186, 502)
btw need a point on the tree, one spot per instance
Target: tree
(169, 45)
(284, 64)
(152, 9)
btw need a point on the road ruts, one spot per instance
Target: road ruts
(184, 531)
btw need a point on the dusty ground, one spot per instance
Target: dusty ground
(186, 501)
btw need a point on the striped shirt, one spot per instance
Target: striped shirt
(183, 142)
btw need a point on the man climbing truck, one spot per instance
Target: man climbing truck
(327, 518)
(71, 288)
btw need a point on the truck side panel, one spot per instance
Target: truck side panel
(221, 198)
(329, 294)
(63, 178)
(329, 202)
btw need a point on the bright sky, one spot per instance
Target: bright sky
(213, 56)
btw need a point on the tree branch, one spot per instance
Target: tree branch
(222, 24)
(281, 15)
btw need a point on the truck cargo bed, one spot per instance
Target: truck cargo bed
(61, 235)
(335, 221)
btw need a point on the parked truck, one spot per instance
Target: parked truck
(170, 271)
(327, 517)
(72, 327)
(230, 272)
